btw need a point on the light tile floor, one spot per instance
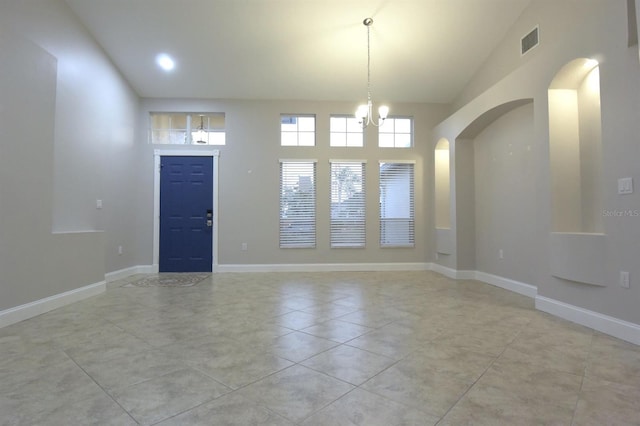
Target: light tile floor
(396, 348)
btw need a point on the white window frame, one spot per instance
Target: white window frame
(350, 126)
(348, 218)
(192, 124)
(397, 215)
(300, 231)
(297, 132)
(391, 122)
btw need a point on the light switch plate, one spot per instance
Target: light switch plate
(624, 279)
(625, 185)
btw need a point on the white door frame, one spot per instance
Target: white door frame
(157, 154)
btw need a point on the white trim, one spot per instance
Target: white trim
(453, 273)
(466, 275)
(326, 267)
(621, 329)
(333, 160)
(609, 325)
(495, 280)
(157, 154)
(397, 161)
(508, 284)
(209, 152)
(38, 307)
(296, 160)
(110, 277)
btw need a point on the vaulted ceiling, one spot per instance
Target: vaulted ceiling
(421, 50)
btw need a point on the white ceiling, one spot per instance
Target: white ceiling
(421, 50)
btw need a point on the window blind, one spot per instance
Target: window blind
(397, 217)
(347, 204)
(297, 204)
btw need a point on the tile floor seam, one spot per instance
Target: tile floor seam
(102, 388)
(456, 305)
(187, 410)
(584, 374)
(325, 406)
(395, 400)
(479, 377)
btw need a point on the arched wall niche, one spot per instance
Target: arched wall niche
(442, 185)
(577, 242)
(575, 147)
(442, 179)
(495, 182)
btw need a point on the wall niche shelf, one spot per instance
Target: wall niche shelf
(578, 257)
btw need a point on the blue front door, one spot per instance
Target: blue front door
(186, 214)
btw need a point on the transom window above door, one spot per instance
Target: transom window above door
(179, 128)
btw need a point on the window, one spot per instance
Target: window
(297, 204)
(345, 131)
(187, 128)
(208, 129)
(347, 204)
(396, 133)
(396, 204)
(297, 130)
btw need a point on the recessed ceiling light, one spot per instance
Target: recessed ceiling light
(165, 62)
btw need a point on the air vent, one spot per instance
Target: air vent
(529, 41)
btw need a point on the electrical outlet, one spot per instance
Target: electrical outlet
(624, 279)
(119, 250)
(98, 204)
(244, 247)
(500, 254)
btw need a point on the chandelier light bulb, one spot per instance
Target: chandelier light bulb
(383, 111)
(362, 112)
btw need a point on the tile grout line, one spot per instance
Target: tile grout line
(584, 375)
(100, 386)
(480, 377)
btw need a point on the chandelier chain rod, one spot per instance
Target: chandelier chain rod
(365, 112)
(368, 66)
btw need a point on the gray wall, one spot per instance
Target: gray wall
(67, 139)
(568, 30)
(78, 129)
(505, 188)
(249, 180)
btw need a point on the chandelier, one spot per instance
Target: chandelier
(364, 113)
(200, 135)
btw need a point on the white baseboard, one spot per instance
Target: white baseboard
(612, 326)
(624, 330)
(508, 284)
(609, 325)
(122, 273)
(32, 309)
(453, 273)
(447, 272)
(326, 267)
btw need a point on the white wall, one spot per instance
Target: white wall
(68, 139)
